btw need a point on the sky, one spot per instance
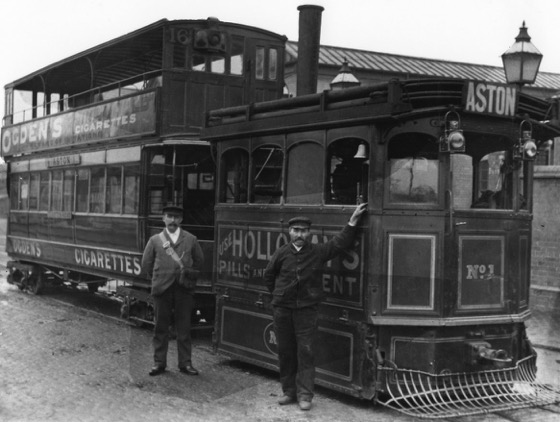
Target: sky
(36, 33)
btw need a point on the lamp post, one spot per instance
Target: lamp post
(522, 60)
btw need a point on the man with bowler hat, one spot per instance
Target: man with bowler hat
(172, 260)
(294, 277)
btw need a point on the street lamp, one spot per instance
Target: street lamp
(522, 60)
(345, 78)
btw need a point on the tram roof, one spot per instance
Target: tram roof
(414, 67)
(128, 55)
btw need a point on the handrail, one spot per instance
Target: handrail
(97, 90)
(320, 101)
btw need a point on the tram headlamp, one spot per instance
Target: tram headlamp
(210, 40)
(529, 150)
(453, 139)
(526, 149)
(456, 141)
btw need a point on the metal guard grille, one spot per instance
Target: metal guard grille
(424, 395)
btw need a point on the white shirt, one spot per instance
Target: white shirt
(174, 236)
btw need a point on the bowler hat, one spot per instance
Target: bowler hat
(173, 209)
(299, 221)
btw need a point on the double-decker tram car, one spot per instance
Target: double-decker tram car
(98, 143)
(425, 313)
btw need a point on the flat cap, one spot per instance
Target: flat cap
(173, 209)
(299, 221)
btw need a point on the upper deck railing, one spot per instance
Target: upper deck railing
(120, 88)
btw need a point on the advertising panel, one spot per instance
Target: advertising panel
(97, 259)
(130, 116)
(244, 252)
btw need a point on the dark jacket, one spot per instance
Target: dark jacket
(161, 268)
(295, 277)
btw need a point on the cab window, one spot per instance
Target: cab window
(413, 170)
(304, 174)
(233, 186)
(347, 171)
(267, 175)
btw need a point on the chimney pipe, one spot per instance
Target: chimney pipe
(308, 48)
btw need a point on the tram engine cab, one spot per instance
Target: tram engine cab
(430, 302)
(456, 226)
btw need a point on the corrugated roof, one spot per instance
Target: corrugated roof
(415, 66)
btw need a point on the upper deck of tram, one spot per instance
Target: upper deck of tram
(180, 68)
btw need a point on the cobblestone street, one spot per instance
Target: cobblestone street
(59, 362)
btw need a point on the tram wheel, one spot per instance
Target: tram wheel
(93, 287)
(35, 283)
(125, 310)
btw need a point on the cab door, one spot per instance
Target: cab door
(489, 230)
(412, 224)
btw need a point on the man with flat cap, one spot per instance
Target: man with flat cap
(172, 260)
(294, 277)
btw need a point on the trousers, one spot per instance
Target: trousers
(295, 333)
(174, 305)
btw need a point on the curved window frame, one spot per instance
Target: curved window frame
(419, 160)
(267, 180)
(347, 175)
(234, 178)
(298, 168)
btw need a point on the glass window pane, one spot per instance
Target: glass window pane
(97, 190)
(68, 200)
(267, 175)
(131, 189)
(34, 192)
(82, 190)
(56, 202)
(236, 60)
(156, 181)
(217, 64)
(305, 174)
(272, 64)
(24, 192)
(413, 169)
(348, 171)
(414, 180)
(199, 63)
(114, 190)
(493, 187)
(462, 168)
(259, 65)
(14, 192)
(234, 177)
(44, 191)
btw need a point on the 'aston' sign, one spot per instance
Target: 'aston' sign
(488, 98)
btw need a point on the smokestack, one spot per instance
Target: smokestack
(308, 48)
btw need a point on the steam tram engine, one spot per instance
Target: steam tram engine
(426, 312)
(96, 144)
